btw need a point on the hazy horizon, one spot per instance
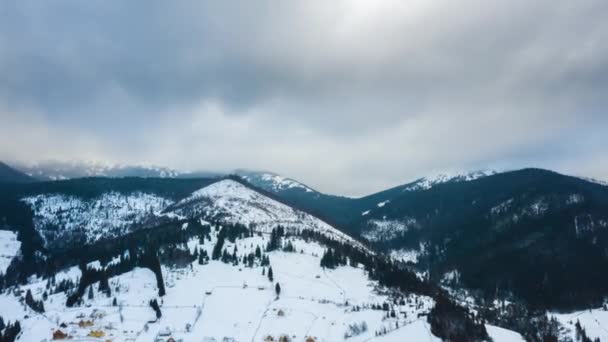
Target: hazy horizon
(348, 96)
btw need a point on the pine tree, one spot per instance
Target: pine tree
(277, 289)
(91, 296)
(270, 275)
(258, 252)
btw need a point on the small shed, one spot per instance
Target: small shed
(97, 333)
(59, 335)
(85, 324)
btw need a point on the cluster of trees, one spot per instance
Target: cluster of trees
(275, 241)
(355, 329)
(533, 324)
(146, 258)
(36, 305)
(333, 258)
(230, 232)
(452, 322)
(10, 331)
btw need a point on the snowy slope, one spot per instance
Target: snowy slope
(595, 323)
(230, 201)
(272, 182)
(112, 214)
(9, 247)
(217, 300)
(429, 182)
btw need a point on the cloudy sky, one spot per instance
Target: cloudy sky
(349, 96)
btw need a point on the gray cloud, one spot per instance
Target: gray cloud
(349, 96)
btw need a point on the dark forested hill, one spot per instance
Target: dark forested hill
(532, 233)
(10, 175)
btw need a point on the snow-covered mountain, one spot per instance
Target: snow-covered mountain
(272, 182)
(9, 174)
(426, 183)
(151, 234)
(58, 170)
(66, 218)
(232, 202)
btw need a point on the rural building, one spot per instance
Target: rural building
(59, 335)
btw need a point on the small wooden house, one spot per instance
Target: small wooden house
(97, 333)
(85, 324)
(59, 335)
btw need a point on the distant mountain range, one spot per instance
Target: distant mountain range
(11, 175)
(528, 236)
(531, 233)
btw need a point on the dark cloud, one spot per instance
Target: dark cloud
(330, 92)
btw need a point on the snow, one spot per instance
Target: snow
(9, 248)
(418, 331)
(384, 230)
(406, 255)
(429, 182)
(111, 214)
(595, 323)
(233, 202)
(503, 335)
(272, 182)
(313, 302)
(61, 170)
(575, 199)
(382, 204)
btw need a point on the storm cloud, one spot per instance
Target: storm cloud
(347, 96)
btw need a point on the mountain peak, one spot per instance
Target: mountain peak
(272, 182)
(426, 183)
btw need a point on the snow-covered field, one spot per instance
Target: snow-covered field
(9, 247)
(220, 300)
(217, 300)
(595, 323)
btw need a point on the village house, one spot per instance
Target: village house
(85, 324)
(59, 335)
(97, 333)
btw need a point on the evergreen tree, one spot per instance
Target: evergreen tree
(91, 296)
(270, 275)
(258, 252)
(277, 289)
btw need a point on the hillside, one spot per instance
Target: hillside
(11, 175)
(221, 300)
(533, 233)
